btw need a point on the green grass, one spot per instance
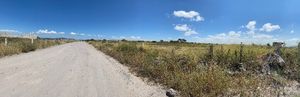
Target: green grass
(188, 68)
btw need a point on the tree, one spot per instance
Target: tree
(104, 40)
(181, 40)
(173, 41)
(161, 41)
(268, 45)
(123, 40)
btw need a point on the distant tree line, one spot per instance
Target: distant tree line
(180, 40)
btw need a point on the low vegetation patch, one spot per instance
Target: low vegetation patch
(22, 45)
(200, 70)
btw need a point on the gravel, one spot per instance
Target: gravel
(70, 70)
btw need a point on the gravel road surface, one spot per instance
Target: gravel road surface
(70, 70)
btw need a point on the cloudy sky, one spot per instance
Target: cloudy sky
(217, 21)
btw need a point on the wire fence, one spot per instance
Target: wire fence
(7, 35)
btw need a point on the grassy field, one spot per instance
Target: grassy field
(22, 45)
(198, 70)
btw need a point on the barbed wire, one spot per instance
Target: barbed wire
(18, 35)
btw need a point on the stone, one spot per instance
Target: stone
(171, 93)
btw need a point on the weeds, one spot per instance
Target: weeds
(21, 45)
(199, 70)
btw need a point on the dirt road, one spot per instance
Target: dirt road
(70, 70)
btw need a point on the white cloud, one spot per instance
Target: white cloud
(218, 36)
(229, 35)
(122, 37)
(293, 41)
(292, 31)
(249, 34)
(8, 31)
(236, 37)
(81, 34)
(73, 33)
(251, 25)
(234, 34)
(225, 39)
(262, 36)
(181, 27)
(185, 29)
(268, 27)
(192, 15)
(135, 37)
(46, 31)
(190, 32)
(131, 37)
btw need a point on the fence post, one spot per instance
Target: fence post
(31, 40)
(241, 52)
(299, 52)
(211, 52)
(5, 41)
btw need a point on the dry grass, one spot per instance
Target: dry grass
(21, 45)
(188, 69)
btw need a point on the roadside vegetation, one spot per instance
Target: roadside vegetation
(200, 70)
(23, 45)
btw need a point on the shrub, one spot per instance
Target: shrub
(19, 45)
(8, 50)
(26, 47)
(211, 81)
(195, 71)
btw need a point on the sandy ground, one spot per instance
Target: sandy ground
(70, 70)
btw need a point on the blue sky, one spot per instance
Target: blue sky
(217, 21)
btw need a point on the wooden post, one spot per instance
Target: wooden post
(299, 52)
(31, 40)
(5, 41)
(241, 52)
(211, 52)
